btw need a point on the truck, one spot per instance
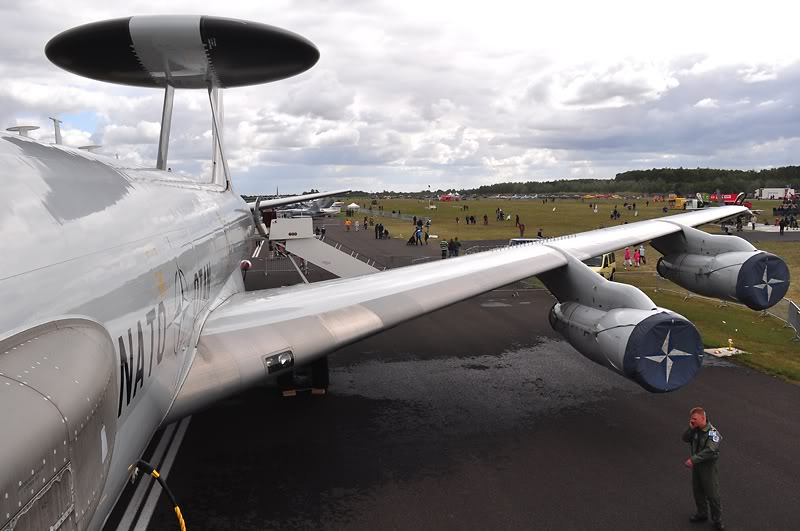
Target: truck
(774, 193)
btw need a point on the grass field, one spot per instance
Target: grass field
(770, 346)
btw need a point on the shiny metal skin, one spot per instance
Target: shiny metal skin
(141, 252)
(60, 382)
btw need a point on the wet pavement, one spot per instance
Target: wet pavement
(478, 417)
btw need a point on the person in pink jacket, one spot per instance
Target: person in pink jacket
(627, 261)
(636, 258)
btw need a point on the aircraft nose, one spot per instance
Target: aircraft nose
(763, 281)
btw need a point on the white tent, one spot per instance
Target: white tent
(353, 206)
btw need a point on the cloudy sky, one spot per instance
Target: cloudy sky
(445, 93)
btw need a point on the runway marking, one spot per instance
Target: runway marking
(258, 249)
(130, 513)
(140, 509)
(152, 499)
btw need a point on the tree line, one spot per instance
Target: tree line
(658, 181)
(680, 181)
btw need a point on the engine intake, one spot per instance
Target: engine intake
(758, 280)
(658, 349)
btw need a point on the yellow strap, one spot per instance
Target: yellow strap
(155, 473)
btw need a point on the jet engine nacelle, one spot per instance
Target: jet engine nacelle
(757, 279)
(619, 327)
(725, 267)
(658, 349)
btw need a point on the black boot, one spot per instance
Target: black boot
(695, 518)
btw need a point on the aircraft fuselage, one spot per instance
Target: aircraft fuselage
(142, 252)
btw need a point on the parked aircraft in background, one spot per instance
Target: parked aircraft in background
(318, 208)
(123, 305)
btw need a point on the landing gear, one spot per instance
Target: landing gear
(314, 378)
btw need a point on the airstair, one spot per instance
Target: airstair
(297, 236)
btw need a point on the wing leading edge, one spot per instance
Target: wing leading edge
(313, 320)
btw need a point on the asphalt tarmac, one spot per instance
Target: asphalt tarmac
(479, 416)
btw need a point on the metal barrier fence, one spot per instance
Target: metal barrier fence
(794, 320)
(482, 248)
(281, 264)
(394, 215)
(355, 254)
(523, 285)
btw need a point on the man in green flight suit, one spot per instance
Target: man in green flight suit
(704, 440)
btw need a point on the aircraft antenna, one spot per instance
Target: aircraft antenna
(166, 125)
(219, 164)
(23, 130)
(57, 128)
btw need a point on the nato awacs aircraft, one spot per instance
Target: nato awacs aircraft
(123, 305)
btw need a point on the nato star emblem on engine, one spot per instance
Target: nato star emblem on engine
(767, 283)
(669, 353)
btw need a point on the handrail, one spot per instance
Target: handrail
(352, 252)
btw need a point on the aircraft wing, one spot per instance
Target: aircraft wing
(244, 338)
(281, 201)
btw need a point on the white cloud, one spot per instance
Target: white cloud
(447, 93)
(707, 103)
(141, 133)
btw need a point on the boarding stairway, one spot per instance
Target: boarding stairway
(353, 253)
(296, 235)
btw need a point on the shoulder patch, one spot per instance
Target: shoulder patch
(714, 434)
